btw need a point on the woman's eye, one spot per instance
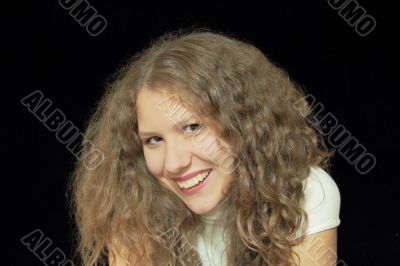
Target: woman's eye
(195, 127)
(192, 129)
(148, 141)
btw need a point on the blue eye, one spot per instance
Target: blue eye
(147, 141)
(194, 128)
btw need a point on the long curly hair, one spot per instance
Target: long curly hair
(251, 103)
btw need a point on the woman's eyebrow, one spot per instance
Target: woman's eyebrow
(147, 133)
(177, 126)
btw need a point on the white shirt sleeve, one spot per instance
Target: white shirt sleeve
(322, 201)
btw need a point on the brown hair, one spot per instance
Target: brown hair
(253, 101)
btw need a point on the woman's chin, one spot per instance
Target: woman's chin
(201, 208)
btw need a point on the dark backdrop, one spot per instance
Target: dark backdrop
(353, 77)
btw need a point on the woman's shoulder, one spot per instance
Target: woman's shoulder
(321, 201)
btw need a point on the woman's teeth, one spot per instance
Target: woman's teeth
(193, 181)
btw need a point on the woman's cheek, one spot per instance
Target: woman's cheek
(154, 164)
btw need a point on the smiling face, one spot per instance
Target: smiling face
(175, 147)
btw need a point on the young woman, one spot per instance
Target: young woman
(210, 156)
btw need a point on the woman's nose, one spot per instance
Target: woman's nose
(177, 157)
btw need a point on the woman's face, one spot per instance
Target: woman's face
(174, 149)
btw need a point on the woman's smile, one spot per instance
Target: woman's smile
(194, 184)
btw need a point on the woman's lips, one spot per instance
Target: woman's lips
(191, 175)
(197, 187)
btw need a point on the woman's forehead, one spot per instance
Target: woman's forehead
(167, 99)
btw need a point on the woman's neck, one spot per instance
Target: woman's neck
(216, 214)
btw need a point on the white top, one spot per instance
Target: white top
(322, 204)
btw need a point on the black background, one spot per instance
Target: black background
(352, 76)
